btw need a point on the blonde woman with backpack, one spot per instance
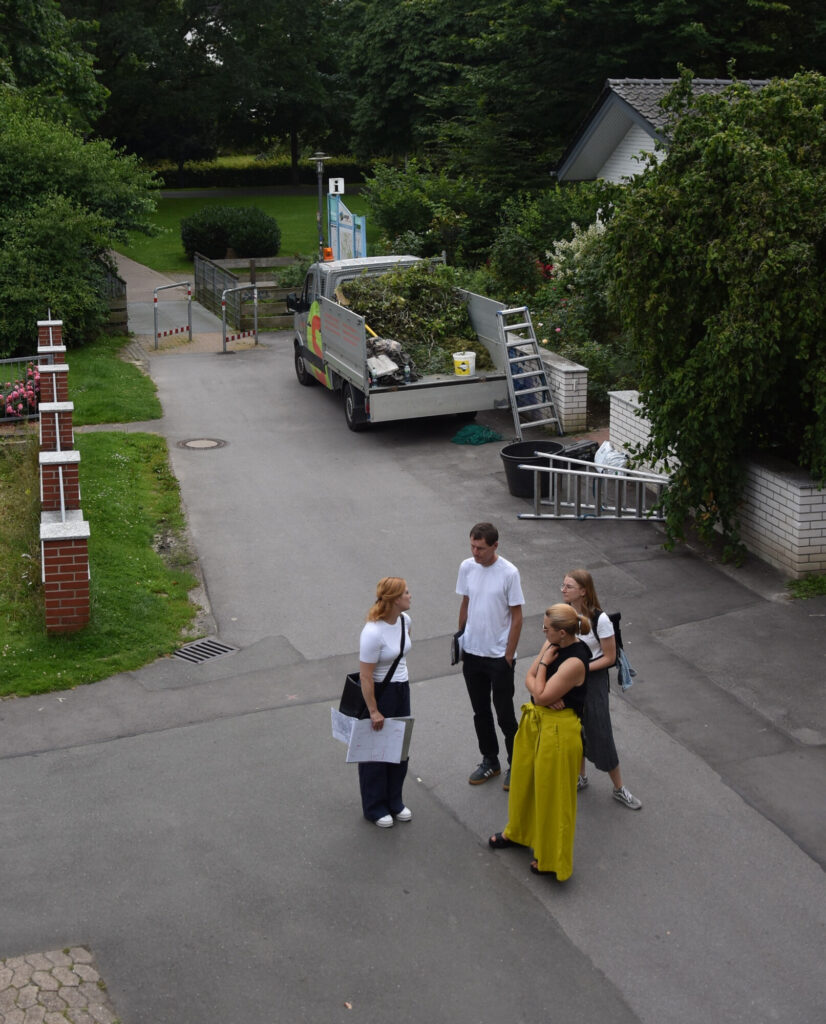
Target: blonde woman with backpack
(579, 592)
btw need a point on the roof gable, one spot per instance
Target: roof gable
(623, 104)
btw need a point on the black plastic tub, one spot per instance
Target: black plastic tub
(520, 481)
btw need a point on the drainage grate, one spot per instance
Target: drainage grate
(203, 650)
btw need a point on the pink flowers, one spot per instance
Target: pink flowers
(20, 398)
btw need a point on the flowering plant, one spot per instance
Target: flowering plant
(20, 398)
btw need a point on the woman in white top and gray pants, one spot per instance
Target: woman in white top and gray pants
(579, 592)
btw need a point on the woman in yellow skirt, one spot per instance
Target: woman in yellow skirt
(547, 750)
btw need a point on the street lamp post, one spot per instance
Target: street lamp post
(319, 168)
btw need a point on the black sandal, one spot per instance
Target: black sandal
(499, 841)
(536, 871)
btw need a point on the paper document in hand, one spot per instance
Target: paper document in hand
(342, 726)
(390, 743)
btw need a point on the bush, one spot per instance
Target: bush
(254, 233)
(247, 231)
(438, 213)
(530, 222)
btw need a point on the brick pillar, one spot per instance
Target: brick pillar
(56, 432)
(65, 560)
(59, 484)
(50, 345)
(54, 383)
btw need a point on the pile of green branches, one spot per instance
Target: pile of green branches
(420, 307)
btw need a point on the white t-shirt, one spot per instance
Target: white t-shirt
(379, 646)
(492, 591)
(604, 628)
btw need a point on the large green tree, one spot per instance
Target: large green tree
(169, 92)
(720, 277)
(43, 59)
(397, 58)
(64, 203)
(187, 79)
(280, 63)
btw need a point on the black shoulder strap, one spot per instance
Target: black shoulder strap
(615, 622)
(395, 664)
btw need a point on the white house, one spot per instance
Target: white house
(625, 122)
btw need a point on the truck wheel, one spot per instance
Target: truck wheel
(354, 408)
(305, 378)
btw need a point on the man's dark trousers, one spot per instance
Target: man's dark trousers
(486, 679)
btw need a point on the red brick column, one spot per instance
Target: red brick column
(56, 432)
(59, 484)
(50, 341)
(65, 559)
(54, 383)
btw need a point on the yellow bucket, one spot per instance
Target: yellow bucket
(464, 364)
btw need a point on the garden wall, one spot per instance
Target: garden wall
(569, 386)
(783, 514)
(64, 533)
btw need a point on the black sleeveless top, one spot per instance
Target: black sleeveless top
(575, 697)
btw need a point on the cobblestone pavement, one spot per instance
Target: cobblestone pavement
(59, 987)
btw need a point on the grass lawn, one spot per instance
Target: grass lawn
(296, 216)
(105, 389)
(139, 597)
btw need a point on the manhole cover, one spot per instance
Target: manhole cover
(203, 650)
(202, 443)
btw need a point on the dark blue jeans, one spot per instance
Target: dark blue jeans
(491, 679)
(381, 781)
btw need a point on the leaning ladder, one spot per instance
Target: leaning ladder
(531, 400)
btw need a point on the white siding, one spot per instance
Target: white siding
(621, 164)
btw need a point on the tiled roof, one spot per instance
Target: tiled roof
(645, 94)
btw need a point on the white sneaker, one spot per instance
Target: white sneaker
(405, 814)
(627, 798)
(385, 822)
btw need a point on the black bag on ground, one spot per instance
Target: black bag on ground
(352, 701)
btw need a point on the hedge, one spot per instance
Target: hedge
(255, 173)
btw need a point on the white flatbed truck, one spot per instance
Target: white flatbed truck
(330, 345)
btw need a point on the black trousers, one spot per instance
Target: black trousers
(491, 679)
(381, 782)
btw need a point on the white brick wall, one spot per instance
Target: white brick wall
(783, 515)
(569, 386)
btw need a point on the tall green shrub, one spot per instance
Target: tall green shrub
(247, 231)
(720, 274)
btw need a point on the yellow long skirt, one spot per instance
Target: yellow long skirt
(547, 753)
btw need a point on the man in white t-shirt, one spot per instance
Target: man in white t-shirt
(491, 616)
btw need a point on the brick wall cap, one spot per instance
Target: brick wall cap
(53, 368)
(59, 458)
(49, 323)
(56, 407)
(626, 396)
(560, 362)
(52, 527)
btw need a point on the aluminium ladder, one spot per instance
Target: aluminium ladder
(530, 394)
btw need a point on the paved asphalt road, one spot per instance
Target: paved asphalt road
(197, 829)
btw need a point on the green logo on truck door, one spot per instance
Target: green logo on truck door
(314, 344)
